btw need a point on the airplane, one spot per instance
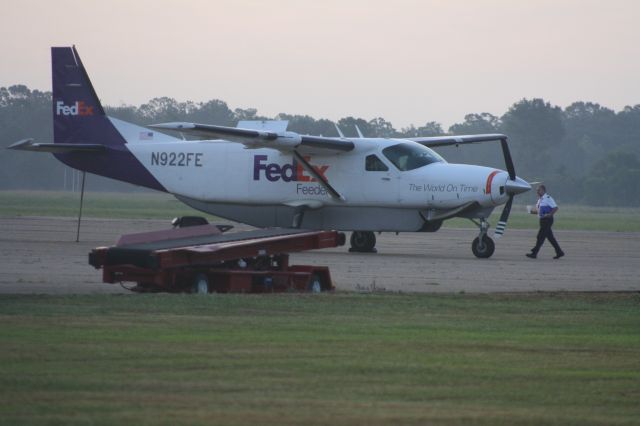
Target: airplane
(260, 174)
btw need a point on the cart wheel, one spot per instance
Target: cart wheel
(200, 284)
(315, 285)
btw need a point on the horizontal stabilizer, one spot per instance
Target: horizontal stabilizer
(30, 145)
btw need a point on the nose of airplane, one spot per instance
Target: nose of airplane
(517, 186)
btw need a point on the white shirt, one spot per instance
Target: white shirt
(545, 205)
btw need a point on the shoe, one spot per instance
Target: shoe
(531, 255)
(559, 255)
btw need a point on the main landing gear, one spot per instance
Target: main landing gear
(363, 242)
(483, 246)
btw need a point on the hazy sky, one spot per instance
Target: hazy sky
(406, 61)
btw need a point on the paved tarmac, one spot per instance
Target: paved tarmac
(39, 255)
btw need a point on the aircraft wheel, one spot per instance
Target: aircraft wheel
(201, 284)
(315, 285)
(484, 250)
(363, 241)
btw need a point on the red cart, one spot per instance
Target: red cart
(205, 259)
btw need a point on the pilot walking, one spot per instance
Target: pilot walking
(545, 208)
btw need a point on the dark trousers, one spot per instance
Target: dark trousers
(545, 232)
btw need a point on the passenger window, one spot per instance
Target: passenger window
(374, 164)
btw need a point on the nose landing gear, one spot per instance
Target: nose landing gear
(483, 246)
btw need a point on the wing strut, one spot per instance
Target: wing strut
(321, 179)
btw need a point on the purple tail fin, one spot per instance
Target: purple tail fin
(78, 118)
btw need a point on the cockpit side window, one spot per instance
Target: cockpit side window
(373, 164)
(409, 156)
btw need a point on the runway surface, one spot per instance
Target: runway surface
(39, 255)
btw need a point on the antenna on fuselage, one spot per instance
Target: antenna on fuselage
(359, 132)
(338, 129)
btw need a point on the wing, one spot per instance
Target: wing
(255, 138)
(435, 141)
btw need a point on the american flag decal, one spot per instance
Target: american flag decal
(146, 136)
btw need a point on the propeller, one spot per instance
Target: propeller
(513, 186)
(507, 159)
(502, 223)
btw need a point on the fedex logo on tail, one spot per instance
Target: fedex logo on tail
(79, 108)
(292, 172)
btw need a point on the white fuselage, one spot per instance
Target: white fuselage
(263, 186)
(218, 172)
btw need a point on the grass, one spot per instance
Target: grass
(162, 206)
(140, 205)
(569, 217)
(327, 359)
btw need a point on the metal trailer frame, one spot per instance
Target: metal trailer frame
(202, 259)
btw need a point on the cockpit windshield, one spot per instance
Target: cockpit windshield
(409, 156)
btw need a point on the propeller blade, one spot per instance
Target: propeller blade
(507, 159)
(502, 223)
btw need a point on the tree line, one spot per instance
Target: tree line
(585, 153)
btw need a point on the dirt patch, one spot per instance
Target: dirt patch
(40, 255)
